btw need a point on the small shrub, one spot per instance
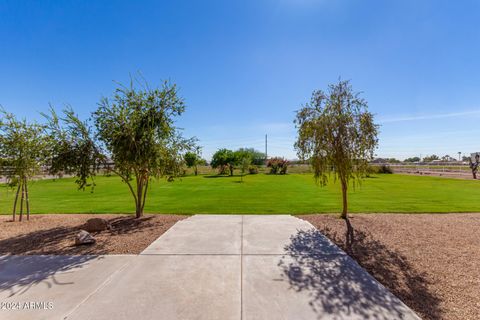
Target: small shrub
(370, 170)
(384, 169)
(253, 170)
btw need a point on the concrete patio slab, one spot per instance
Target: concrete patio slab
(201, 234)
(206, 267)
(270, 234)
(61, 282)
(321, 287)
(170, 287)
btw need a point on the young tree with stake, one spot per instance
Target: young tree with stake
(23, 147)
(338, 134)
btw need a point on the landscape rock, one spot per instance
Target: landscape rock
(83, 237)
(96, 224)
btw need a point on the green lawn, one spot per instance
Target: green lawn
(293, 193)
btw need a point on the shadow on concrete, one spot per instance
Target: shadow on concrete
(338, 287)
(20, 273)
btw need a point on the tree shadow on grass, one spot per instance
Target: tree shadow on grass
(215, 176)
(338, 288)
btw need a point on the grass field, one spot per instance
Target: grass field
(293, 193)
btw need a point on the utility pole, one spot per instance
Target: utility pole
(266, 149)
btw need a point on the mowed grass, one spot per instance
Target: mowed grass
(258, 194)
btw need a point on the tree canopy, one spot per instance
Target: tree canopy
(224, 159)
(193, 159)
(338, 135)
(257, 157)
(431, 158)
(134, 129)
(412, 159)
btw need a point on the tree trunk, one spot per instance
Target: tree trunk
(349, 235)
(344, 200)
(196, 170)
(144, 195)
(138, 200)
(15, 202)
(26, 198)
(231, 169)
(21, 200)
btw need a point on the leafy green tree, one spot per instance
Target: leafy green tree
(23, 148)
(224, 159)
(73, 148)
(257, 157)
(134, 129)
(193, 159)
(413, 159)
(244, 159)
(338, 134)
(431, 158)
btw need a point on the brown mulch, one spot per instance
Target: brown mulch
(55, 234)
(430, 261)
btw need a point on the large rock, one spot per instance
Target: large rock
(83, 237)
(96, 225)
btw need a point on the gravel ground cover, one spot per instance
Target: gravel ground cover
(55, 234)
(430, 261)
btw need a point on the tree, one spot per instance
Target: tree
(257, 157)
(243, 157)
(431, 158)
(337, 133)
(447, 158)
(224, 159)
(413, 159)
(193, 159)
(245, 163)
(134, 129)
(23, 150)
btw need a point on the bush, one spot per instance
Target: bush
(384, 169)
(277, 165)
(253, 170)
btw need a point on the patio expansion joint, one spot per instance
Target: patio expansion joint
(101, 286)
(241, 271)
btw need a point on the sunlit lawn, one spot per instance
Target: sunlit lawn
(293, 193)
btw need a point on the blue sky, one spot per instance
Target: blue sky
(244, 67)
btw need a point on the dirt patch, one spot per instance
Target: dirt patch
(55, 234)
(430, 261)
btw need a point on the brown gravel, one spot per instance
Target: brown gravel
(55, 234)
(430, 261)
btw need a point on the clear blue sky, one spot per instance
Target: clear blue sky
(244, 67)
